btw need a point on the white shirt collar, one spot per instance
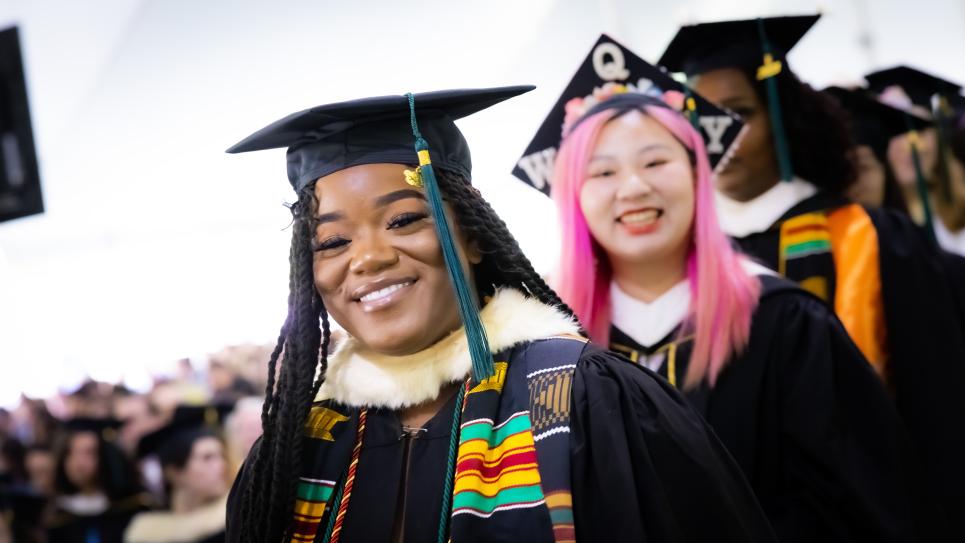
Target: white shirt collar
(953, 242)
(648, 323)
(754, 268)
(84, 505)
(740, 219)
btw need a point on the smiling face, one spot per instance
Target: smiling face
(638, 197)
(753, 168)
(377, 260)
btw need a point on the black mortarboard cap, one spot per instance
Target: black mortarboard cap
(918, 85)
(873, 122)
(610, 61)
(104, 427)
(187, 423)
(325, 139)
(701, 47)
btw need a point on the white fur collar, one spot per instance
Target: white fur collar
(362, 378)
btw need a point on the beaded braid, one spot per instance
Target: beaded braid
(269, 497)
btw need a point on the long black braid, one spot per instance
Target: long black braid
(267, 500)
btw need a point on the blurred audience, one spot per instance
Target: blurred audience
(67, 463)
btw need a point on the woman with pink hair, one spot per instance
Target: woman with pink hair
(646, 268)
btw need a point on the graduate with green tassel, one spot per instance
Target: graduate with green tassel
(922, 164)
(465, 404)
(884, 279)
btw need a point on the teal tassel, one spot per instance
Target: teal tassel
(920, 182)
(923, 193)
(446, 511)
(774, 109)
(482, 360)
(333, 512)
(944, 176)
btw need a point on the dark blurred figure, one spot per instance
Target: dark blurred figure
(97, 489)
(12, 469)
(136, 415)
(21, 515)
(41, 467)
(6, 423)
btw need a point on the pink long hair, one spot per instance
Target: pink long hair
(723, 295)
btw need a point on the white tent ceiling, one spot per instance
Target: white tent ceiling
(156, 245)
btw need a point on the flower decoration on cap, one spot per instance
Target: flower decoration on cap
(577, 107)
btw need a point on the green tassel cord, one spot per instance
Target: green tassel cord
(482, 361)
(446, 512)
(920, 184)
(941, 125)
(767, 72)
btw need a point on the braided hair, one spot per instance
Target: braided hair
(267, 498)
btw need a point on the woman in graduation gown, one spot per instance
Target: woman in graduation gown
(878, 128)
(765, 362)
(195, 468)
(436, 422)
(98, 490)
(934, 188)
(781, 199)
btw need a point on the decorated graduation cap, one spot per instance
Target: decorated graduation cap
(106, 427)
(188, 423)
(411, 129)
(937, 95)
(761, 43)
(875, 123)
(610, 63)
(921, 87)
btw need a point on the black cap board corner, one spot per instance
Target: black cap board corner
(610, 61)
(918, 85)
(20, 191)
(106, 427)
(701, 47)
(875, 123)
(185, 421)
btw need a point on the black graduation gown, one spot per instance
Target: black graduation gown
(953, 265)
(810, 424)
(643, 466)
(107, 527)
(926, 347)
